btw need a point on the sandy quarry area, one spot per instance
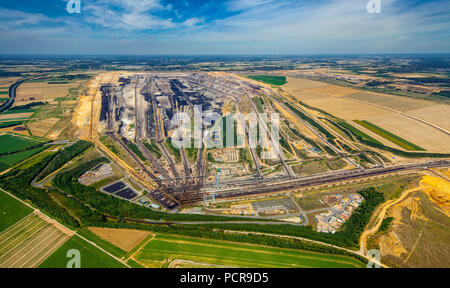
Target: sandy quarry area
(125, 239)
(90, 103)
(418, 234)
(439, 192)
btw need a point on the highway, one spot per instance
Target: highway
(12, 95)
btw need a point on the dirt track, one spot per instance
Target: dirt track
(379, 216)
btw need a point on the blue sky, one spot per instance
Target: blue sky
(186, 27)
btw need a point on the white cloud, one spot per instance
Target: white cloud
(192, 22)
(14, 18)
(128, 14)
(257, 27)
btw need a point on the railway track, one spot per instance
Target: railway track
(136, 159)
(267, 187)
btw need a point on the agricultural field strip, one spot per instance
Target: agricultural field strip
(229, 245)
(25, 236)
(142, 247)
(234, 259)
(36, 247)
(37, 155)
(307, 240)
(389, 136)
(20, 230)
(19, 157)
(43, 247)
(404, 114)
(26, 138)
(45, 231)
(19, 222)
(74, 233)
(234, 247)
(50, 252)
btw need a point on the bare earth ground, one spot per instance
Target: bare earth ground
(122, 238)
(419, 235)
(334, 90)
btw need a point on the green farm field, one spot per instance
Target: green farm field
(11, 211)
(268, 79)
(91, 257)
(390, 136)
(202, 251)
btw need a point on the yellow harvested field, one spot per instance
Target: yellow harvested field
(8, 81)
(446, 172)
(42, 92)
(438, 190)
(15, 116)
(414, 131)
(398, 103)
(82, 116)
(347, 109)
(334, 90)
(125, 239)
(299, 84)
(438, 115)
(41, 128)
(380, 109)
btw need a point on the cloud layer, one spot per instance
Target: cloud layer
(230, 27)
